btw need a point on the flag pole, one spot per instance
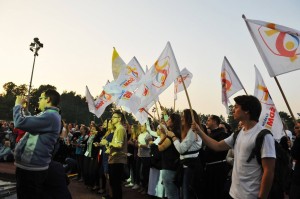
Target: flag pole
(157, 112)
(174, 104)
(285, 100)
(186, 93)
(148, 113)
(188, 98)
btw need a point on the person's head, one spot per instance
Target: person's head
(297, 129)
(143, 128)
(186, 121)
(174, 123)
(213, 122)
(135, 131)
(49, 98)
(247, 107)
(226, 127)
(7, 143)
(117, 118)
(110, 127)
(84, 130)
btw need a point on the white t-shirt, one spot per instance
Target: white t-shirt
(246, 177)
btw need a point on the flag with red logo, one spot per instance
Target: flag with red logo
(141, 115)
(98, 106)
(159, 77)
(278, 46)
(269, 117)
(230, 83)
(178, 85)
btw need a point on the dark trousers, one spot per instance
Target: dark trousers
(146, 163)
(79, 159)
(30, 183)
(115, 172)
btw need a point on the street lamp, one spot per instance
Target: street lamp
(34, 47)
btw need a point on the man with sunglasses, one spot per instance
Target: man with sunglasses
(295, 152)
(33, 152)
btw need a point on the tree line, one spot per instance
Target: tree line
(74, 108)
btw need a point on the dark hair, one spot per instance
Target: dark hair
(228, 127)
(176, 128)
(216, 119)
(121, 115)
(53, 95)
(188, 118)
(251, 104)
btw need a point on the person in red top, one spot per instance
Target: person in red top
(20, 133)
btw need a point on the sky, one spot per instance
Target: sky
(79, 37)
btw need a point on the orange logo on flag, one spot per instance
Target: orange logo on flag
(226, 84)
(132, 70)
(285, 45)
(146, 91)
(162, 73)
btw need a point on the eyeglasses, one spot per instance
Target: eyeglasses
(41, 98)
(115, 117)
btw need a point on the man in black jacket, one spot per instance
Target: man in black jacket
(295, 152)
(216, 166)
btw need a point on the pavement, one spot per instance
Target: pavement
(77, 189)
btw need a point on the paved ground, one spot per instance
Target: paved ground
(77, 189)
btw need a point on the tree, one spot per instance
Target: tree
(230, 120)
(287, 119)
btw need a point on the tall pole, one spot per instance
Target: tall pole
(285, 100)
(34, 47)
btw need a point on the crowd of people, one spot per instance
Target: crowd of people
(179, 157)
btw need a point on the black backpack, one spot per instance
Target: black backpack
(283, 165)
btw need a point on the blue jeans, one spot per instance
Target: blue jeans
(168, 182)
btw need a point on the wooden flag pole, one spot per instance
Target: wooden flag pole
(148, 113)
(188, 98)
(285, 100)
(157, 112)
(174, 105)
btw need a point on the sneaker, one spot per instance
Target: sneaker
(141, 190)
(129, 185)
(144, 192)
(135, 186)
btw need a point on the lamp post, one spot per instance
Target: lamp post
(34, 47)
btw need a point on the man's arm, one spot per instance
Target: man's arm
(211, 143)
(268, 166)
(118, 138)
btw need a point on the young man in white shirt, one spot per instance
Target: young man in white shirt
(250, 180)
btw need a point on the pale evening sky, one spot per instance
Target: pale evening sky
(79, 37)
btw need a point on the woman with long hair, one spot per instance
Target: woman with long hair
(170, 156)
(188, 145)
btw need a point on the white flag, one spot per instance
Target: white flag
(130, 75)
(269, 117)
(278, 46)
(159, 77)
(141, 115)
(178, 85)
(90, 100)
(98, 106)
(230, 83)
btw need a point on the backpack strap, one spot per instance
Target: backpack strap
(235, 135)
(256, 151)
